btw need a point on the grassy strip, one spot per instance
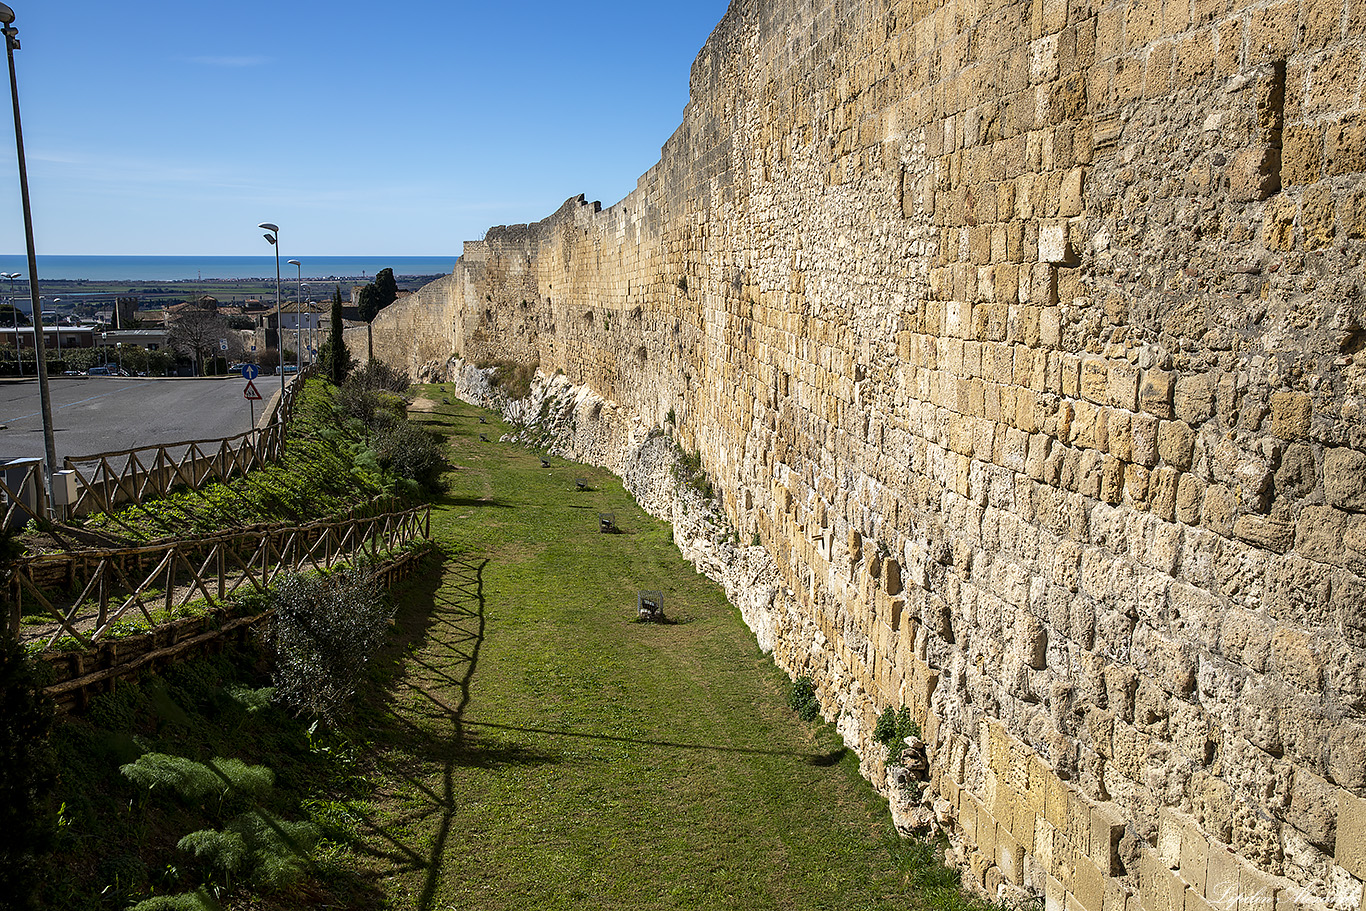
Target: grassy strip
(539, 748)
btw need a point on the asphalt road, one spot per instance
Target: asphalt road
(100, 413)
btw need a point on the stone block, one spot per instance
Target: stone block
(1290, 415)
(1319, 533)
(1278, 224)
(1088, 885)
(1345, 148)
(1123, 386)
(1254, 174)
(1314, 809)
(1268, 534)
(1344, 478)
(1194, 856)
(1302, 154)
(1107, 830)
(1347, 755)
(1143, 433)
(1054, 244)
(1010, 857)
(1155, 393)
(1193, 401)
(1350, 849)
(1223, 880)
(1095, 380)
(1176, 444)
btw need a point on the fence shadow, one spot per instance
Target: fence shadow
(416, 722)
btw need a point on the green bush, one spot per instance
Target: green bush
(408, 451)
(197, 780)
(892, 728)
(323, 633)
(802, 699)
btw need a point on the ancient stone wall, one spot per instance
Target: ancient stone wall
(1028, 339)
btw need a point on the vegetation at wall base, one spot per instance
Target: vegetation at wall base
(26, 817)
(801, 699)
(893, 726)
(513, 378)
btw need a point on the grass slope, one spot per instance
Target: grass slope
(539, 749)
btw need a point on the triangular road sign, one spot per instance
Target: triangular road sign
(250, 392)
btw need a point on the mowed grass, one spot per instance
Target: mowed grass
(538, 748)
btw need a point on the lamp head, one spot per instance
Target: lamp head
(294, 262)
(270, 237)
(6, 14)
(269, 227)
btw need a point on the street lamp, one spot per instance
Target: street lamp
(49, 445)
(14, 312)
(273, 236)
(298, 326)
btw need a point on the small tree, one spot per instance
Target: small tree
(196, 333)
(377, 295)
(367, 302)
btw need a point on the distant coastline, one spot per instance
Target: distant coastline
(195, 268)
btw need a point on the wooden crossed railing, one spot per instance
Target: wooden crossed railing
(106, 479)
(87, 592)
(13, 510)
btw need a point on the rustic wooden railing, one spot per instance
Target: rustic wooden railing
(87, 592)
(107, 479)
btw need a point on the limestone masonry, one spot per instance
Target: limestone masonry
(1029, 339)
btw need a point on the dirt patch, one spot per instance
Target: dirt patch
(421, 404)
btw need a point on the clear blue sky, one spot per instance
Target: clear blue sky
(403, 128)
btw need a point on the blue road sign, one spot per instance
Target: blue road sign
(250, 372)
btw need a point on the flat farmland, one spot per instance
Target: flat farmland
(101, 414)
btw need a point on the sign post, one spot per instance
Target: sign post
(249, 373)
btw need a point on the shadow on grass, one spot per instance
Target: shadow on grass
(829, 758)
(425, 728)
(474, 501)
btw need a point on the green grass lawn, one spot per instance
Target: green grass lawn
(537, 748)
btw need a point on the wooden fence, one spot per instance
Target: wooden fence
(106, 479)
(79, 674)
(86, 592)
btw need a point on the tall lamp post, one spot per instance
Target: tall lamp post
(49, 445)
(298, 326)
(14, 312)
(273, 236)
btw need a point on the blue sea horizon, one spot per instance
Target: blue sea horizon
(192, 268)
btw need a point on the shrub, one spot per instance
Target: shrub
(892, 728)
(513, 378)
(197, 780)
(802, 699)
(408, 451)
(379, 376)
(325, 629)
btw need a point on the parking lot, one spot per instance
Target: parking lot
(101, 414)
